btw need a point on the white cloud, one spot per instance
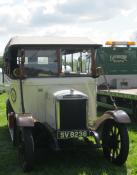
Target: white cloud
(6, 2)
(14, 14)
(128, 12)
(102, 8)
(99, 20)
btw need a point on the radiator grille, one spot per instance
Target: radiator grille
(73, 114)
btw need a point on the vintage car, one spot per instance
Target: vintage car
(52, 98)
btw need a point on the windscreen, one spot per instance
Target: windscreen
(76, 61)
(40, 62)
(43, 62)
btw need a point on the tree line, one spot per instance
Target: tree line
(1, 61)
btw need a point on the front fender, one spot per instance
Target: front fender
(119, 116)
(25, 120)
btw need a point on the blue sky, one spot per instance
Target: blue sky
(98, 20)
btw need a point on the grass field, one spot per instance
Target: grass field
(64, 163)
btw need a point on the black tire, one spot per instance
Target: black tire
(8, 108)
(15, 139)
(115, 142)
(26, 149)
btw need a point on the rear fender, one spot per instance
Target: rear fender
(25, 120)
(119, 116)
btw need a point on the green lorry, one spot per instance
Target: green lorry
(118, 83)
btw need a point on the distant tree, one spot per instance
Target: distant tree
(1, 61)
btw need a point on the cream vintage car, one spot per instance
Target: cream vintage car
(52, 98)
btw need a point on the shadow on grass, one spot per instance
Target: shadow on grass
(76, 162)
(69, 162)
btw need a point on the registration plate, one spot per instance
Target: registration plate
(71, 134)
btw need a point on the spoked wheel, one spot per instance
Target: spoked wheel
(115, 142)
(26, 149)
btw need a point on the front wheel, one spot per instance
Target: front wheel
(26, 149)
(115, 142)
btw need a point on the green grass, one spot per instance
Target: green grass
(90, 162)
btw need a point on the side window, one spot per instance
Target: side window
(10, 61)
(6, 64)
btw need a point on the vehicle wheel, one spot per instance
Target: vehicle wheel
(8, 108)
(115, 142)
(26, 149)
(14, 127)
(15, 139)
